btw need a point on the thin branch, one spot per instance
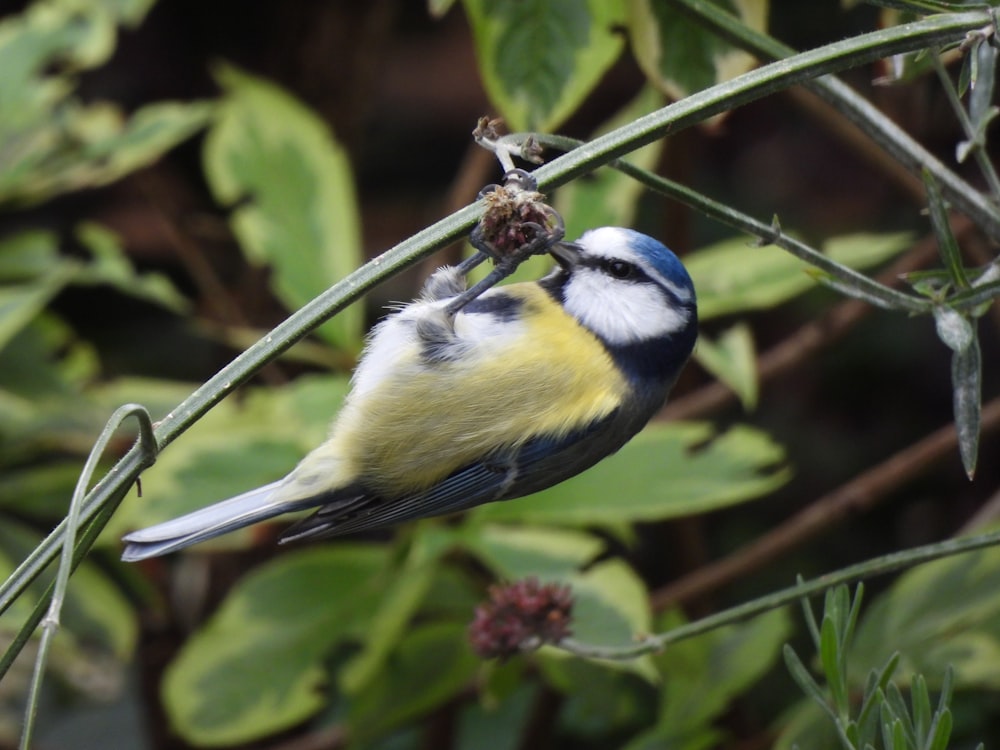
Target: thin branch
(874, 567)
(69, 556)
(811, 337)
(860, 494)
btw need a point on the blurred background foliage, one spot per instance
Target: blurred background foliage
(176, 176)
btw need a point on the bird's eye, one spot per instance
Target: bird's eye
(620, 269)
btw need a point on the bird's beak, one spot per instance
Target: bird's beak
(567, 254)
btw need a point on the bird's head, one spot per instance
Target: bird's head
(632, 293)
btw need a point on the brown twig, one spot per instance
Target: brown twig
(860, 494)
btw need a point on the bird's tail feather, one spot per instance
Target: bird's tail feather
(235, 513)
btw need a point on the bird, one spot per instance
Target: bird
(523, 387)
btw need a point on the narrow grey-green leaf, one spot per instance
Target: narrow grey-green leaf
(941, 731)
(966, 383)
(947, 244)
(831, 659)
(805, 680)
(920, 700)
(981, 94)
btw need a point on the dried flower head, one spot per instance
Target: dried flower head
(515, 218)
(521, 616)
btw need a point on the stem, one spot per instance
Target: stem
(976, 143)
(874, 567)
(50, 623)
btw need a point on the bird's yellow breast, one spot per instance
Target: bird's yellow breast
(538, 373)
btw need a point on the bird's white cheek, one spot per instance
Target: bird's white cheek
(622, 313)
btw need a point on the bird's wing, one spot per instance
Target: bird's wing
(534, 465)
(220, 518)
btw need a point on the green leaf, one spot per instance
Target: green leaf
(806, 726)
(515, 552)
(28, 255)
(703, 675)
(431, 665)
(666, 471)
(96, 612)
(920, 700)
(608, 198)
(290, 186)
(257, 665)
(39, 492)
(664, 737)
(49, 141)
(611, 608)
(938, 739)
(944, 612)
(400, 601)
(110, 265)
(611, 605)
(22, 303)
(497, 725)
(732, 276)
(732, 359)
(679, 55)
(96, 146)
(540, 59)
(875, 688)
(127, 12)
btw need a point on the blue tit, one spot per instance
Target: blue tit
(523, 387)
